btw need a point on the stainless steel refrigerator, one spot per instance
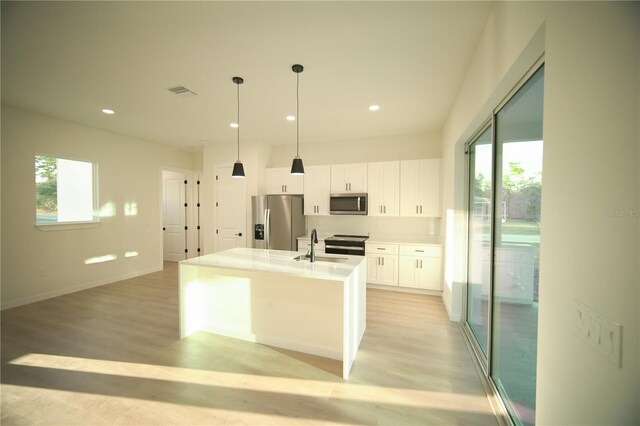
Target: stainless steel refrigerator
(278, 220)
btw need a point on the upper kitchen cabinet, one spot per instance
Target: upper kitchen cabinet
(348, 178)
(316, 190)
(384, 188)
(281, 181)
(420, 188)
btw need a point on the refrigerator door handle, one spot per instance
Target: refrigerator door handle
(266, 228)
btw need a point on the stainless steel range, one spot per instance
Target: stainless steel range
(345, 244)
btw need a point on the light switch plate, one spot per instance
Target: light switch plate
(600, 332)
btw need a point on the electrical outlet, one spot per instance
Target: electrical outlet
(600, 332)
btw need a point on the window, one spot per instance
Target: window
(65, 191)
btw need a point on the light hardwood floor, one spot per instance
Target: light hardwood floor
(111, 355)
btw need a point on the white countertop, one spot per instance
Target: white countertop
(277, 261)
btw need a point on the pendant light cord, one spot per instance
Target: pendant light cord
(238, 87)
(297, 114)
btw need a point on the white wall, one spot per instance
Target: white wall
(591, 165)
(40, 264)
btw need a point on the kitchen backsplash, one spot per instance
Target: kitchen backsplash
(366, 225)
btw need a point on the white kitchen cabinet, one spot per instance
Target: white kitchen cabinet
(317, 185)
(348, 178)
(420, 188)
(419, 266)
(279, 180)
(384, 188)
(382, 264)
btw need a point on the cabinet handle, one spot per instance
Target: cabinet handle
(382, 258)
(380, 248)
(385, 209)
(416, 209)
(420, 209)
(380, 209)
(421, 251)
(346, 186)
(421, 264)
(285, 188)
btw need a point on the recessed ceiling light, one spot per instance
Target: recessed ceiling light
(108, 111)
(234, 125)
(291, 118)
(374, 107)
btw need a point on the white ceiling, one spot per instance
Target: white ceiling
(71, 59)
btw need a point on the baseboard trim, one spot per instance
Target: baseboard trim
(76, 288)
(405, 289)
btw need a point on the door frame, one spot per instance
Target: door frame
(483, 363)
(191, 214)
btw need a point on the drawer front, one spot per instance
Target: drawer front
(381, 249)
(429, 251)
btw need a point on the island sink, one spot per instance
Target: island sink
(321, 258)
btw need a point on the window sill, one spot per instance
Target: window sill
(62, 226)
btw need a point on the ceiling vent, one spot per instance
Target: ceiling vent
(182, 91)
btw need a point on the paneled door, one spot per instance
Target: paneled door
(231, 210)
(174, 235)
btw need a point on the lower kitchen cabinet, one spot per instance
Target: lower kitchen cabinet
(382, 269)
(419, 267)
(382, 264)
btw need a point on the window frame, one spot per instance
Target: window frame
(58, 226)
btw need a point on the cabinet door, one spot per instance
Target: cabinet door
(407, 271)
(293, 184)
(372, 269)
(390, 188)
(429, 273)
(383, 188)
(388, 272)
(310, 193)
(357, 177)
(339, 178)
(375, 185)
(316, 190)
(429, 188)
(409, 188)
(348, 178)
(275, 180)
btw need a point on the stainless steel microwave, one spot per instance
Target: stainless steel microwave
(348, 204)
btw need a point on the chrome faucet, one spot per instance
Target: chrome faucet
(314, 240)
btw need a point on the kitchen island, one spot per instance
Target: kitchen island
(266, 296)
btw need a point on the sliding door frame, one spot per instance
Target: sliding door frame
(479, 353)
(499, 404)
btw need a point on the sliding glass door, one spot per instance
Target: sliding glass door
(505, 172)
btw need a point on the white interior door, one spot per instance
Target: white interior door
(231, 210)
(174, 220)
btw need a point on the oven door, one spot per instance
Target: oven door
(332, 248)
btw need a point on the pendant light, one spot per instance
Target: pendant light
(296, 167)
(238, 169)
